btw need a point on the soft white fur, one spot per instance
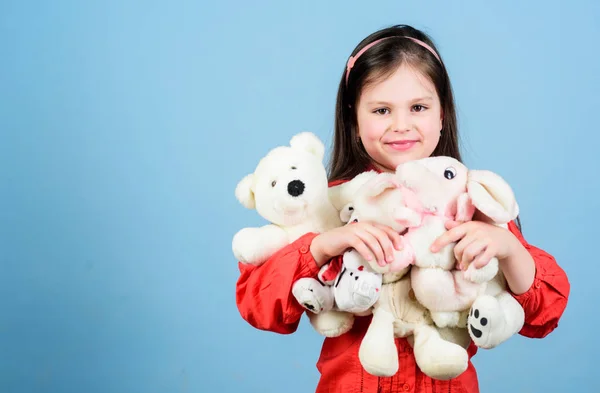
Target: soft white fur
(289, 188)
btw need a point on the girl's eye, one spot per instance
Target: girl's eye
(418, 108)
(382, 111)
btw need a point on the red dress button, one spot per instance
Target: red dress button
(406, 387)
(303, 249)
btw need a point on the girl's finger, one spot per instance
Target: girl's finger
(460, 247)
(472, 251)
(363, 250)
(394, 236)
(452, 224)
(373, 244)
(483, 259)
(385, 242)
(450, 236)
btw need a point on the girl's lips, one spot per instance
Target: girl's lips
(402, 145)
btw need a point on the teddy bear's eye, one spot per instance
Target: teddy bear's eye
(273, 183)
(450, 173)
(293, 167)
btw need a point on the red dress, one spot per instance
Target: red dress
(264, 299)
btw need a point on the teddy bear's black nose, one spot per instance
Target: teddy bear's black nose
(295, 188)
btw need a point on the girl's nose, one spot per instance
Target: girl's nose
(401, 122)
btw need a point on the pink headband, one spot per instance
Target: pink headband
(353, 59)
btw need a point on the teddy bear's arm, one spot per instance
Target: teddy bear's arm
(255, 245)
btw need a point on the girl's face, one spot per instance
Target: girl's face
(399, 118)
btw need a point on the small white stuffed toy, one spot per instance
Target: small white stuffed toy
(352, 287)
(289, 188)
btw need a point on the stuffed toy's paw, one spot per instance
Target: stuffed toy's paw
(486, 321)
(436, 357)
(483, 274)
(443, 319)
(249, 246)
(492, 320)
(331, 323)
(312, 295)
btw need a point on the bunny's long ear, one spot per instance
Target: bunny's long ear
(244, 193)
(492, 196)
(309, 142)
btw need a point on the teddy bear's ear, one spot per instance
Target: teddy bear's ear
(307, 141)
(244, 193)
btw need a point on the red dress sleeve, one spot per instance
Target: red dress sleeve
(264, 293)
(546, 299)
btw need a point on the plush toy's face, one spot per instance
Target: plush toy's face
(288, 183)
(438, 181)
(444, 185)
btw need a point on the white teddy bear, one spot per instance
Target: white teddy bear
(289, 188)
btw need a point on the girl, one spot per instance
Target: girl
(395, 104)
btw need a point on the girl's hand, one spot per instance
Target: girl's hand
(369, 240)
(477, 242)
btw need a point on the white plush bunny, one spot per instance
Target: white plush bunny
(447, 189)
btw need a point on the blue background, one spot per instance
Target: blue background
(126, 125)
